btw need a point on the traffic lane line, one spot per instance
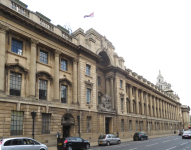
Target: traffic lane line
(183, 143)
(171, 148)
(166, 141)
(151, 144)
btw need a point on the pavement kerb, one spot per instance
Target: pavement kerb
(122, 140)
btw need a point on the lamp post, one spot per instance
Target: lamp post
(78, 118)
(33, 117)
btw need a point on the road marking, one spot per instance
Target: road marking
(176, 139)
(119, 145)
(166, 141)
(171, 148)
(133, 149)
(183, 143)
(151, 144)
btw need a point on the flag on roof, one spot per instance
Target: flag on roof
(91, 15)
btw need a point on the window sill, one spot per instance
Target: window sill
(88, 76)
(89, 105)
(17, 54)
(121, 89)
(64, 71)
(44, 64)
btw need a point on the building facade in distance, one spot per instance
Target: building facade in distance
(63, 76)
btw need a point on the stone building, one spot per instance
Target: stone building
(62, 76)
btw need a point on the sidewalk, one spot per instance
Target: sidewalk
(122, 140)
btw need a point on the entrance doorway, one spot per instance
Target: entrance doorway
(107, 125)
(66, 130)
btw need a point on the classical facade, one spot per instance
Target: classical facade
(63, 76)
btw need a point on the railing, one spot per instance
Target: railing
(46, 25)
(66, 36)
(20, 9)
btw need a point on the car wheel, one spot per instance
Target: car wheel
(99, 144)
(141, 139)
(69, 148)
(87, 146)
(147, 138)
(182, 137)
(108, 143)
(119, 142)
(134, 139)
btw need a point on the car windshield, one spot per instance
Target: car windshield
(187, 132)
(102, 136)
(180, 130)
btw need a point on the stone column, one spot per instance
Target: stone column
(161, 114)
(146, 101)
(137, 101)
(169, 109)
(142, 103)
(75, 83)
(56, 75)
(151, 106)
(3, 30)
(164, 109)
(130, 99)
(107, 86)
(112, 93)
(155, 107)
(32, 72)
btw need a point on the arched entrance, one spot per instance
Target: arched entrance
(105, 59)
(66, 122)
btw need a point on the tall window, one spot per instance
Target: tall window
(43, 89)
(63, 64)
(98, 81)
(129, 125)
(99, 99)
(45, 123)
(15, 84)
(43, 57)
(121, 103)
(16, 123)
(17, 46)
(63, 94)
(88, 93)
(88, 70)
(121, 82)
(122, 125)
(88, 124)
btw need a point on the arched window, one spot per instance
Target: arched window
(140, 110)
(134, 107)
(128, 106)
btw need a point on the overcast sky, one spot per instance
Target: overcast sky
(149, 34)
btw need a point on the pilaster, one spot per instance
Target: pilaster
(137, 101)
(75, 85)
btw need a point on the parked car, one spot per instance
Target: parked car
(186, 134)
(69, 143)
(21, 143)
(108, 139)
(140, 136)
(180, 131)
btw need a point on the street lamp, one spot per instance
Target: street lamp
(33, 117)
(78, 118)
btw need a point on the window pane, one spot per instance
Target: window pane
(88, 70)
(43, 89)
(16, 123)
(15, 84)
(45, 123)
(64, 65)
(17, 46)
(88, 96)
(63, 94)
(43, 57)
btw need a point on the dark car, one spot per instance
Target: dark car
(69, 143)
(140, 136)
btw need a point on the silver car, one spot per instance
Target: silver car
(21, 143)
(108, 139)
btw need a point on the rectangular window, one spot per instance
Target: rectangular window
(88, 70)
(16, 123)
(63, 64)
(121, 103)
(43, 57)
(63, 94)
(45, 123)
(88, 124)
(129, 125)
(98, 81)
(99, 99)
(136, 125)
(15, 84)
(88, 93)
(121, 82)
(43, 89)
(17, 46)
(122, 125)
